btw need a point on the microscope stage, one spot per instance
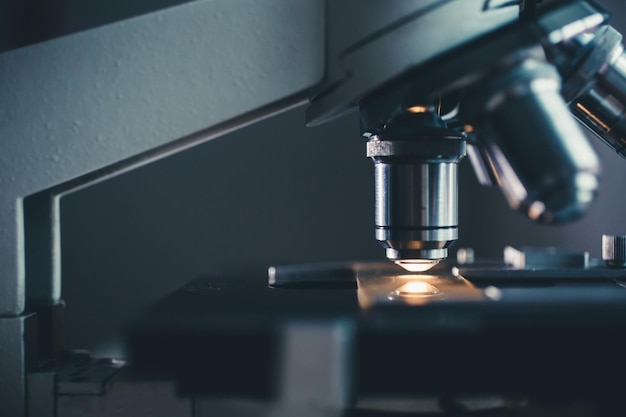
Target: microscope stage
(554, 337)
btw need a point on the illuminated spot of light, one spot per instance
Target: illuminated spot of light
(417, 109)
(416, 289)
(417, 265)
(536, 210)
(493, 293)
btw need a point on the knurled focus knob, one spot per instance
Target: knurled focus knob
(614, 250)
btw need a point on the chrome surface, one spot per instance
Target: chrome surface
(596, 88)
(545, 258)
(534, 149)
(614, 250)
(415, 170)
(421, 194)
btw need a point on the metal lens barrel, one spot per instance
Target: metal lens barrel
(416, 193)
(540, 158)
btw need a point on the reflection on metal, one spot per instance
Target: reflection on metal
(595, 84)
(417, 265)
(575, 28)
(614, 250)
(493, 293)
(533, 257)
(465, 256)
(417, 109)
(389, 286)
(536, 209)
(593, 117)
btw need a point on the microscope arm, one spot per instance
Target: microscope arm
(85, 107)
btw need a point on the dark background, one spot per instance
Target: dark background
(272, 193)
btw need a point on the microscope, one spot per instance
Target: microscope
(513, 111)
(509, 84)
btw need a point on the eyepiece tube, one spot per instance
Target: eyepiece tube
(416, 190)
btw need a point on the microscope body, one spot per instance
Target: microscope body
(434, 81)
(496, 79)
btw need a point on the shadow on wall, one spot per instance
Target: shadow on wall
(272, 193)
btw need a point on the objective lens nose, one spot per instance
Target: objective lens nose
(417, 265)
